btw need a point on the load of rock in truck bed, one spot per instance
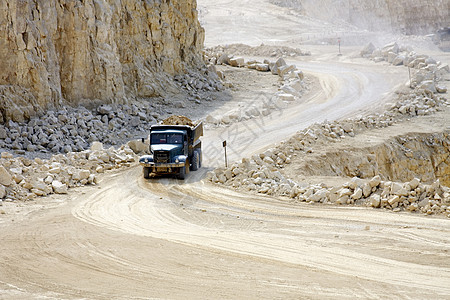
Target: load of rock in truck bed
(178, 120)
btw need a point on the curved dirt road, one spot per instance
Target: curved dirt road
(345, 90)
(130, 238)
(166, 240)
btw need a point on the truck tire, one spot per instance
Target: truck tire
(146, 172)
(182, 173)
(195, 161)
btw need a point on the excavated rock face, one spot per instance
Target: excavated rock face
(107, 50)
(406, 16)
(423, 156)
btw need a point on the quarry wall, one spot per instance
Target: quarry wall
(405, 16)
(57, 51)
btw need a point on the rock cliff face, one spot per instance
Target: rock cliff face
(405, 16)
(56, 51)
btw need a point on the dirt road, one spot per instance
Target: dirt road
(164, 239)
(130, 238)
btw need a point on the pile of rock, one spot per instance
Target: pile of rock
(258, 174)
(262, 50)
(278, 67)
(428, 69)
(261, 173)
(291, 89)
(24, 179)
(74, 129)
(200, 85)
(411, 196)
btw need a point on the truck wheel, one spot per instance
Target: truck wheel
(182, 174)
(146, 172)
(195, 161)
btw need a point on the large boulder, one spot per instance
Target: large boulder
(59, 187)
(224, 59)
(96, 146)
(398, 61)
(262, 67)
(138, 146)
(428, 85)
(237, 62)
(2, 191)
(392, 47)
(280, 62)
(368, 50)
(284, 70)
(5, 178)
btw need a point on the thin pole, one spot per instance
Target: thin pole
(224, 144)
(410, 83)
(226, 159)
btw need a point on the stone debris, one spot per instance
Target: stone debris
(215, 53)
(75, 129)
(427, 71)
(292, 85)
(178, 120)
(23, 178)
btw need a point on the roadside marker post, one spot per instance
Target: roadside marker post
(224, 144)
(410, 83)
(339, 43)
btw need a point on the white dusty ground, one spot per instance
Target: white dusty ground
(129, 238)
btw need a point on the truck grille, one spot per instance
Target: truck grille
(161, 157)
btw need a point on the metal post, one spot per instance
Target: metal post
(410, 83)
(339, 42)
(225, 147)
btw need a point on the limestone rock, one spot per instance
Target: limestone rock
(414, 183)
(368, 50)
(284, 70)
(390, 48)
(224, 59)
(262, 67)
(441, 89)
(138, 146)
(375, 181)
(5, 178)
(398, 61)
(237, 62)
(375, 200)
(59, 187)
(96, 146)
(357, 194)
(105, 109)
(2, 191)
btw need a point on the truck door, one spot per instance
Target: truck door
(186, 145)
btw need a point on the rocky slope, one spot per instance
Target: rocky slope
(92, 51)
(405, 16)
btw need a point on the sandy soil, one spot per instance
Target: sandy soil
(130, 238)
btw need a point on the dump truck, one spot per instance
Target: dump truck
(174, 149)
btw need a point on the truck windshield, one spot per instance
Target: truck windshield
(166, 138)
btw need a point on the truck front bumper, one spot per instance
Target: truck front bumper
(164, 168)
(160, 165)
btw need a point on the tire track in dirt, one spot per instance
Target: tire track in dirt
(144, 214)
